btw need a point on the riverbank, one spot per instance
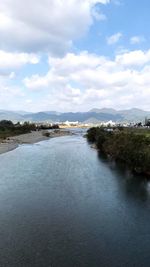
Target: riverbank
(12, 143)
(127, 146)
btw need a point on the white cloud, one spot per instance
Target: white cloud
(134, 58)
(74, 81)
(115, 38)
(81, 81)
(137, 40)
(10, 60)
(9, 95)
(97, 14)
(45, 25)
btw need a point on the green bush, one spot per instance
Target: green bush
(131, 148)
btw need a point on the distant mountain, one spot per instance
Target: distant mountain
(40, 116)
(92, 116)
(129, 115)
(134, 114)
(104, 110)
(70, 116)
(52, 112)
(10, 115)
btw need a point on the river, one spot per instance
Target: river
(63, 206)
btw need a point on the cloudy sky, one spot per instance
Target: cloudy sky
(74, 55)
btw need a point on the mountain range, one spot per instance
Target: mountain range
(92, 116)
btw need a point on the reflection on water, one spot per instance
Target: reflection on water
(134, 185)
(137, 189)
(62, 205)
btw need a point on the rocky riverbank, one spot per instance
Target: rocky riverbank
(12, 143)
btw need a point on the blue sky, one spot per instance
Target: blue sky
(131, 18)
(74, 55)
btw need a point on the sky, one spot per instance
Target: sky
(74, 55)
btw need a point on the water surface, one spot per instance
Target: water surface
(63, 206)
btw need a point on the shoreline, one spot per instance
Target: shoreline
(109, 157)
(12, 143)
(131, 149)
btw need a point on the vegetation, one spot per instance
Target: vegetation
(48, 127)
(46, 134)
(130, 146)
(8, 128)
(148, 123)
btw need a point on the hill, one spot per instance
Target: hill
(92, 116)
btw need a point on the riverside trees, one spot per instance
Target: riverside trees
(8, 128)
(130, 147)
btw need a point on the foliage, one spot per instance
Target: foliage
(130, 147)
(148, 123)
(7, 128)
(47, 127)
(46, 134)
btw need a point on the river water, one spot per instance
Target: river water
(63, 206)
